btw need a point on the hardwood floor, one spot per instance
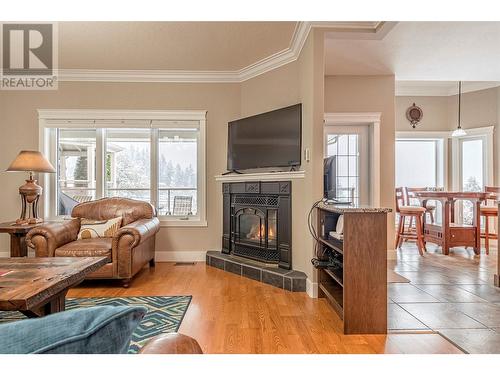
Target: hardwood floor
(232, 314)
(453, 295)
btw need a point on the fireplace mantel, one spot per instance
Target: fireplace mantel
(261, 176)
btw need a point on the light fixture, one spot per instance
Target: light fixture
(459, 132)
(30, 161)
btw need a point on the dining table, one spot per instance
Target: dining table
(450, 233)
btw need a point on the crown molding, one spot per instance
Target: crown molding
(173, 76)
(262, 66)
(436, 88)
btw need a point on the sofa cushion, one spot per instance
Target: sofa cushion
(94, 330)
(90, 228)
(107, 208)
(92, 247)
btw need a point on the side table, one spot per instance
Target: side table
(18, 247)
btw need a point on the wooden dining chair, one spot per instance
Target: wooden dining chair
(404, 210)
(430, 208)
(489, 211)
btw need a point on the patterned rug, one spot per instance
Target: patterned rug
(164, 315)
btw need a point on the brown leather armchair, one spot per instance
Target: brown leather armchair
(128, 251)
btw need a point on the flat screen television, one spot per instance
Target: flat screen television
(271, 139)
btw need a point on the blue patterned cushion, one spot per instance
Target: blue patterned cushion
(94, 330)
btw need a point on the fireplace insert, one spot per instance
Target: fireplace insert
(257, 220)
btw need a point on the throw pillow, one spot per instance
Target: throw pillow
(93, 330)
(99, 228)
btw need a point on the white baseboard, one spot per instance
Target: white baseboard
(392, 254)
(311, 288)
(4, 254)
(180, 256)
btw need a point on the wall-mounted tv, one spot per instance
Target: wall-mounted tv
(271, 139)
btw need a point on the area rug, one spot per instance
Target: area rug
(164, 314)
(393, 277)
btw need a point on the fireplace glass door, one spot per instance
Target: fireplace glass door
(272, 229)
(251, 226)
(257, 228)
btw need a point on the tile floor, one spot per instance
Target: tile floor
(453, 295)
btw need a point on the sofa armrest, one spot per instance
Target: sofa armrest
(139, 231)
(46, 238)
(171, 343)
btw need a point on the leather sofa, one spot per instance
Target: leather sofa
(132, 247)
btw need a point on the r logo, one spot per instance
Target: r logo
(27, 49)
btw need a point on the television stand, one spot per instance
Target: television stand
(233, 171)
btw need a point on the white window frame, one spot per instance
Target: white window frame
(485, 134)
(51, 119)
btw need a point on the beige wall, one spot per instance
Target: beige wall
(370, 94)
(435, 110)
(300, 81)
(479, 109)
(19, 130)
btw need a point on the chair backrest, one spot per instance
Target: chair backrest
(400, 197)
(410, 193)
(494, 190)
(107, 208)
(183, 205)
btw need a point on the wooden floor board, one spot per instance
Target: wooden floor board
(233, 314)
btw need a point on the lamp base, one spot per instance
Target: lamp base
(30, 194)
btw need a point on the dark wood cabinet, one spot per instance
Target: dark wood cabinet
(358, 290)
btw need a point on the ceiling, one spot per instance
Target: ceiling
(444, 51)
(200, 46)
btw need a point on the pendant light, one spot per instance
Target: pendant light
(459, 132)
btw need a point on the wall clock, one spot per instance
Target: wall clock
(414, 114)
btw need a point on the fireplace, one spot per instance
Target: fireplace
(256, 222)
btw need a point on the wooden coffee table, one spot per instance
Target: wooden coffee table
(38, 286)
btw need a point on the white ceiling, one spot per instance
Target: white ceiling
(442, 51)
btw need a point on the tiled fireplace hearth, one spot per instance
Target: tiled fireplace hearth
(256, 238)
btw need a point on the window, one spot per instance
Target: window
(158, 160)
(128, 163)
(76, 150)
(178, 154)
(345, 148)
(419, 163)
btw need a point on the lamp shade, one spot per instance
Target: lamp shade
(31, 161)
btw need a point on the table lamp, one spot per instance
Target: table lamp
(30, 161)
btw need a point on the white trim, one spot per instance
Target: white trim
(118, 114)
(262, 176)
(311, 288)
(373, 120)
(165, 222)
(50, 119)
(437, 88)
(180, 256)
(267, 64)
(161, 76)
